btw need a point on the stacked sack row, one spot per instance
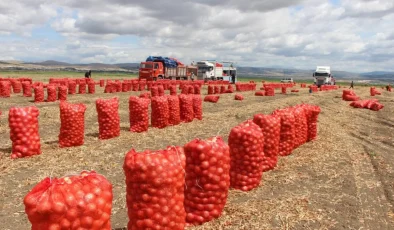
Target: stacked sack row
(177, 186)
(328, 87)
(240, 87)
(278, 85)
(313, 89)
(220, 89)
(166, 110)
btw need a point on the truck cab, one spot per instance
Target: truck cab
(151, 71)
(322, 76)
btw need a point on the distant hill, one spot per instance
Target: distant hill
(243, 71)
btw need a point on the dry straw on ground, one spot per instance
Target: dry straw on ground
(335, 182)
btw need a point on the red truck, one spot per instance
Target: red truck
(165, 68)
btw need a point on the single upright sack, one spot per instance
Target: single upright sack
(23, 123)
(160, 89)
(82, 88)
(51, 93)
(197, 106)
(160, 112)
(16, 86)
(5, 89)
(72, 87)
(174, 110)
(39, 93)
(26, 86)
(91, 87)
(186, 107)
(287, 131)
(62, 93)
(270, 126)
(207, 179)
(172, 89)
(108, 118)
(211, 90)
(155, 182)
(138, 114)
(72, 127)
(73, 202)
(246, 142)
(154, 91)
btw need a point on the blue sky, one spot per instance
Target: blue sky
(353, 35)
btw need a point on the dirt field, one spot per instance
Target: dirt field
(343, 180)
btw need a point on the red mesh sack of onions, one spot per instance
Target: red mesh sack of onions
(185, 89)
(312, 113)
(211, 98)
(190, 89)
(160, 112)
(270, 126)
(216, 89)
(135, 85)
(186, 107)
(108, 118)
(211, 90)
(301, 126)
(72, 124)
(246, 142)
(149, 85)
(51, 93)
(154, 90)
(73, 202)
(138, 114)
(172, 89)
(287, 131)
(62, 93)
(118, 86)
(145, 95)
(174, 110)
(155, 183)
(5, 89)
(82, 87)
(160, 89)
(102, 82)
(197, 106)
(39, 93)
(197, 89)
(142, 85)
(239, 97)
(230, 87)
(125, 86)
(91, 87)
(23, 123)
(26, 86)
(259, 93)
(223, 89)
(16, 86)
(207, 179)
(72, 87)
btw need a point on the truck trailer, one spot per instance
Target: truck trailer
(157, 67)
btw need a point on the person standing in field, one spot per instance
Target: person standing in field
(88, 74)
(351, 85)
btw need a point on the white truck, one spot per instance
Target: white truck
(322, 76)
(213, 70)
(209, 70)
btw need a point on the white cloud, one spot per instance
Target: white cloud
(296, 33)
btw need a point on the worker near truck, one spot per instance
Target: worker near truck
(351, 85)
(88, 74)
